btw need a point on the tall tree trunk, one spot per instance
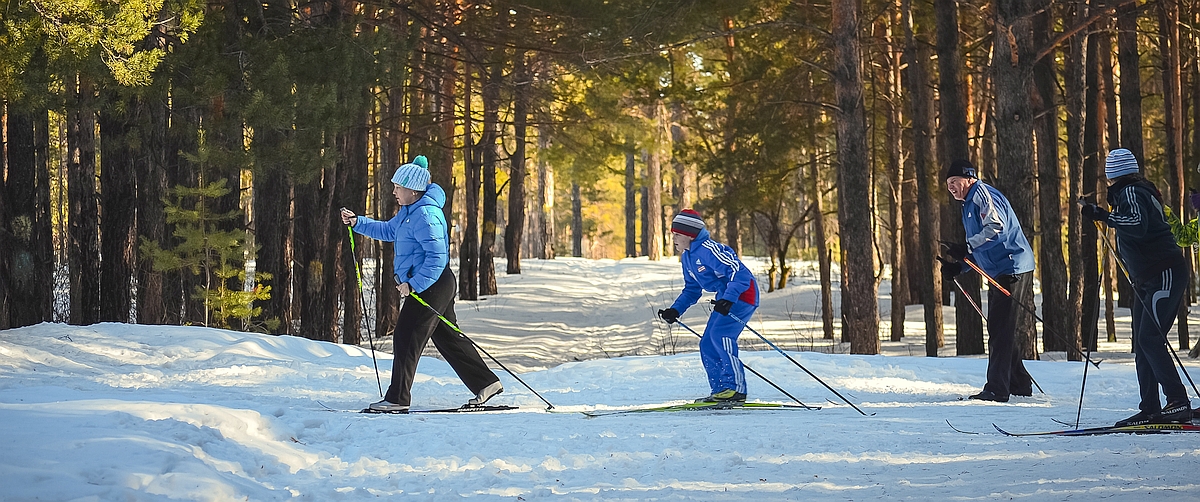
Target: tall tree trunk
(824, 257)
(545, 199)
(653, 230)
(84, 253)
(892, 61)
(118, 208)
(491, 125)
(273, 228)
(514, 230)
(6, 294)
(468, 251)
(645, 209)
(354, 167)
(861, 312)
(317, 241)
(30, 259)
(387, 299)
(928, 191)
(151, 215)
(1074, 83)
(1093, 158)
(1051, 264)
(1168, 43)
(1012, 67)
(443, 156)
(685, 175)
(576, 221)
(953, 144)
(630, 202)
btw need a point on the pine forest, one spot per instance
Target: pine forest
(183, 162)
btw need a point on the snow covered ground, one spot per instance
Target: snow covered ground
(127, 412)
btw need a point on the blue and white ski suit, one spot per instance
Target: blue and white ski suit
(711, 266)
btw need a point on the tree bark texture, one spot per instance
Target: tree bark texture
(1051, 264)
(1168, 41)
(25, 230)
(953, 144)
(515, 228)
(468, 251)
(118, 186)
(861, 308)
(630, 203)
(84, 243)
(491, 126)
(928, 191)
(1012, 73)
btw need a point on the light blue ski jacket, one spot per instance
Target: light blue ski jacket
(994, 237)
(419, 232)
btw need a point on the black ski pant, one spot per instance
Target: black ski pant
(1006, 372)
(1157, 305)
(416, 325)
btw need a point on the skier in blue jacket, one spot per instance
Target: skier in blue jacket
(997, 245)
(419, 233)
(711, 266)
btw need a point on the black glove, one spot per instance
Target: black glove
(1094, 212)
(950, 269)
(669, 315)
(956, 250)
(722, 306)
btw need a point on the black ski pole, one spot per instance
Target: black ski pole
(1029, 309)
(748, 368)
(980, 311)
(797, 363)
(481, 349)
(1121, 265)
(363, 300)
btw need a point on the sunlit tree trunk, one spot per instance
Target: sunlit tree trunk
(861, 309)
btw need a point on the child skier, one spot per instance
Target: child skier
(711, 266)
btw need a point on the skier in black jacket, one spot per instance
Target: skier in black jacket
(1159, 276)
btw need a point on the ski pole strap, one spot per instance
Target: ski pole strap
(353, 253)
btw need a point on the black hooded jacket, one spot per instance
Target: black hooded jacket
(1144, 238)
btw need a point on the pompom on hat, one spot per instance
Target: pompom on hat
(1120, 162)
(687, 222)
(413, 175)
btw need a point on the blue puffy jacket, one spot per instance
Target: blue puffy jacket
(419, 233)
(711, 266)
(994, 237)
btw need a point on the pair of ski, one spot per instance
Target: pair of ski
(725, 406)
(702, 406)
(1100, 431)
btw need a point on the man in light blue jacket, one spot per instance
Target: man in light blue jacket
(997, 245)
(711, 266)
(419, 234)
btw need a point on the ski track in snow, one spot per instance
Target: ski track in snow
(128, 412)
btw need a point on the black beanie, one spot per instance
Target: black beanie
(961, 168)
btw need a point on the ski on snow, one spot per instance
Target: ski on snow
(701, 407)
(1096, 431)
(461, 409)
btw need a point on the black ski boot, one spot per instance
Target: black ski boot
(1141, 418)
(1176, 413)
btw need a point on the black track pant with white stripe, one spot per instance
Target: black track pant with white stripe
(1153, 312)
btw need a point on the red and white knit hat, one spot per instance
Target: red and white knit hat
(687, 222)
